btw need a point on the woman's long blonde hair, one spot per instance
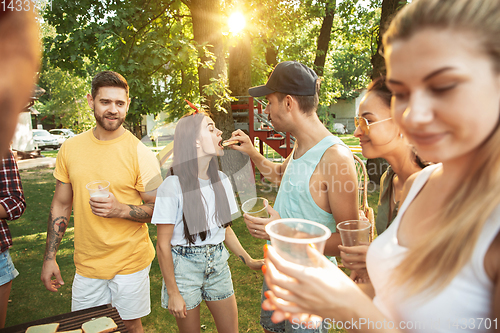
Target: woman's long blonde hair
(438, 258)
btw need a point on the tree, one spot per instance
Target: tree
(212, 70)
(389, 10)
(65, 99)
(146, 41)
(171, 50)
(240, 65)
(324, 37)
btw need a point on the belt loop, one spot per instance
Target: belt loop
(182, 250)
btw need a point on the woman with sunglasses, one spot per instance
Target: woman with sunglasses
(436, 268)
(379, 136)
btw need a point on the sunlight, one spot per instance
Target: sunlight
(236, 23)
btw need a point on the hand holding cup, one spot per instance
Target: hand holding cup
(257, 213)
(102, 202)
(297, 291)
(256, 207)
(355, 235)
(98, 189)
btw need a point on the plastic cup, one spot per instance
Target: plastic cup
(256, 207)
(354, 232)
(98, 189)
(291, 237)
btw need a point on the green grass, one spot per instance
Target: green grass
(349, 139)
(50, 153)
(29, 300)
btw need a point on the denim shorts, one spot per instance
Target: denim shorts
(201, 273)
(7, 270)
(284, 326)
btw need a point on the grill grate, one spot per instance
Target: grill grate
(73, 320)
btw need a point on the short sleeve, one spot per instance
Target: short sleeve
(149, 178)
(61, 170)
(233, 206)
(168, 204)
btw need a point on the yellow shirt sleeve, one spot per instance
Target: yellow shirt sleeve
(61, 170)
(149, 170)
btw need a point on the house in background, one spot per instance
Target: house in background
(22, 142)
(345, 110)
(157, 128)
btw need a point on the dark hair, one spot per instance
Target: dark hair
(108, 79)
(308, 104)
(418, 161)
(185, 166)
(379, 88)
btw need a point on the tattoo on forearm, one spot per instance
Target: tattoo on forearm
(55, 231)
(60, 224)
(243, 259)
(139, 214)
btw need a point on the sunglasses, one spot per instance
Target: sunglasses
(365, 125)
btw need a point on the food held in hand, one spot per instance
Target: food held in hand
(229, 143)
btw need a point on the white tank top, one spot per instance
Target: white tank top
(465, 305)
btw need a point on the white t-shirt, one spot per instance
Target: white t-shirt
(464, 305)
(169, 203)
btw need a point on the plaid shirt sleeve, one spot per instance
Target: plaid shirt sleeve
(11, 197)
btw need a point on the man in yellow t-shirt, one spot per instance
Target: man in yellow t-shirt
(113, 251)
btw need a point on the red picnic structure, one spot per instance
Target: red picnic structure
(256, 124)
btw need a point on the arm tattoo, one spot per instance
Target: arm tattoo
(60, 224)
(138, 214)
(55, 231)
(243, 259)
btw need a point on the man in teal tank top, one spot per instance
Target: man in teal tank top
(317, 180)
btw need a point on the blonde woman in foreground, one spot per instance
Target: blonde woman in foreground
(436, 268)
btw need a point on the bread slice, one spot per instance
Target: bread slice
(45, 328)
(99, 325)
(229, 143)
(73, 331)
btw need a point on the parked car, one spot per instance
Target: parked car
(62, 134)
(44, 139)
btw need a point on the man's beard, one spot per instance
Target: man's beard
(107, 126)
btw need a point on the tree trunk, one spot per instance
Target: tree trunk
(389, 10)
(207, 31)
(206, 16)
(240, 65)
(324, 37)
(138, 130)
(240, 76)
(271, 54)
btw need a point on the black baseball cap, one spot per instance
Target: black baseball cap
(288, 77)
